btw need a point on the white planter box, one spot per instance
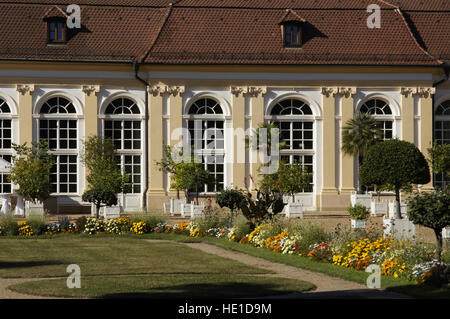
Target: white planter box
(446, 233)
(191, 210)
(358, 223)
(110, 212)
(32, 209)
(393, 209)
(378, 208)
(399, 228)
(293, 210)
(362, 199)
(176, 205)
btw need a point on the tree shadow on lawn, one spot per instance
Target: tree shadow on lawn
(27, 264)
(207, 291)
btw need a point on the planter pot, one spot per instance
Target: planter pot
(393, 209)
(362, 199)
(399, 228)
(191, 210)
(293, 210)
(358, 223)
(32, 209)
(20, 207)
(175, 205)
(378, 208)
(110, 212)
(446, 233)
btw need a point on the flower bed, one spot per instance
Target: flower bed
(396, 258)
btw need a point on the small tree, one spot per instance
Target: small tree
(289, 179)
(395, 164)
(230, 198)
(440, 160)
(191, 177)
(104, 177)
(168, 165)
(431, 210)
(358, 135)
(31, 170)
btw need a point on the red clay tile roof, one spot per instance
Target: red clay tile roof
(231, 32)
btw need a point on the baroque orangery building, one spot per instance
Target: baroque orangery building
(137, 71)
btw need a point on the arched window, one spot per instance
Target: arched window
(442, 135)
(294, 119)
(58, 125)
(382, 112)
(123, 125)
(5, 143)
(206, 129)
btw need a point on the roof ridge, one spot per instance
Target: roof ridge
(169, 11)
(402, 16)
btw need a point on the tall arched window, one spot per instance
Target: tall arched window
(58, 125)
(382, 112)
(5, 143)
(123, 125)
(206, 129)
(295, 120)
(442, 135)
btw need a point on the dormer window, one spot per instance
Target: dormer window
(291, 29)
(56, 20)
(292, 35)
(56, 32)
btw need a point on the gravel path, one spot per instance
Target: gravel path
(327, 287)
(5, 293)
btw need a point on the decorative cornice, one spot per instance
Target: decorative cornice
(328, 91)
(347, 91)
(25, 88)
(89, 89)
(425, 92)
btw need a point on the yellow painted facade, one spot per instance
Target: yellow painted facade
(248, 99)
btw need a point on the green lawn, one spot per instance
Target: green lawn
(389, 283)
(127, 266)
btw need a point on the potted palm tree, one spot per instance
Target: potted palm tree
(358, 135)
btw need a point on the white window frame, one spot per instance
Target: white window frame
(205, 152)
(76, 151)
(125, 152)
(298, 152)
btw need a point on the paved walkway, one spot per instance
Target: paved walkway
(327, 287)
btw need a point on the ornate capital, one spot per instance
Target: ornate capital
(89, 89)
(425, 92)
(25, 88)
(328, 91)
(408, 91)
(347, 91)
(175, 90)
(255, 91)
(237, 90)
(158, 90)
